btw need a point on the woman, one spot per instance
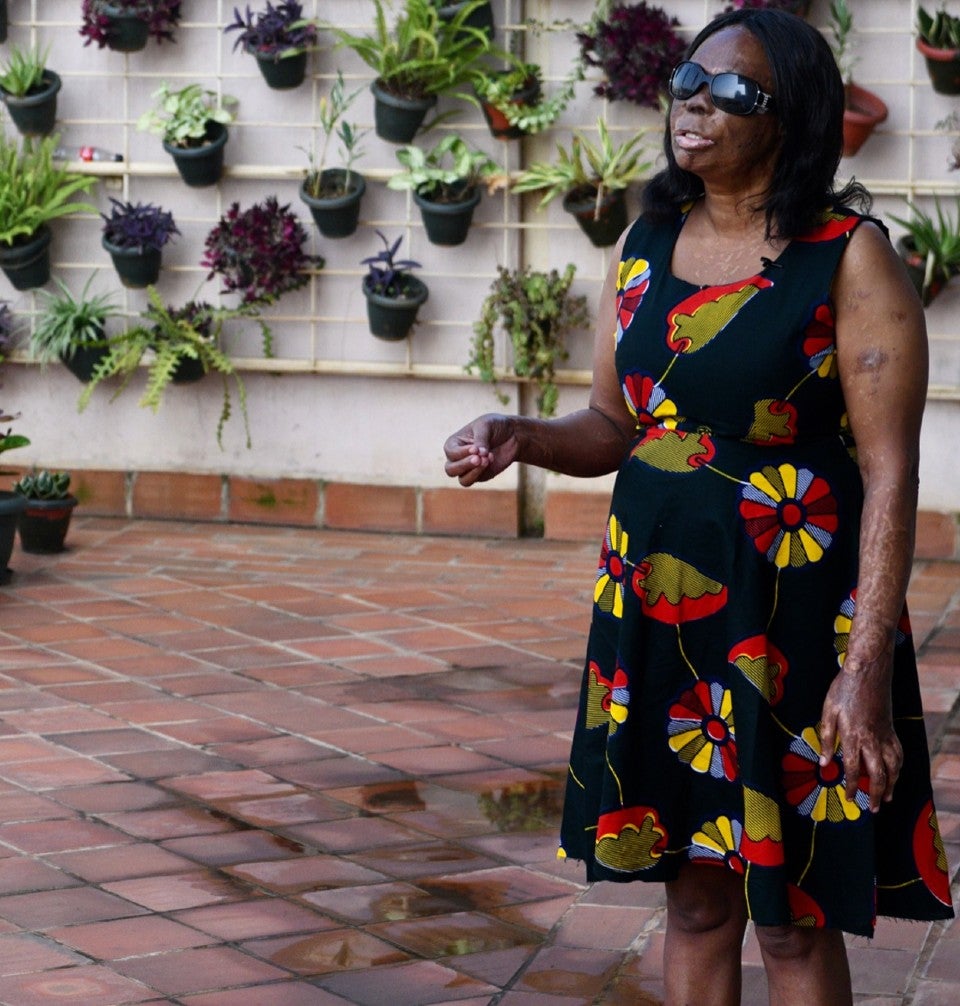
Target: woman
(750, 730)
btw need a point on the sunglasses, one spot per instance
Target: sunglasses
(730, 92)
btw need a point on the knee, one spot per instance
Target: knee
(783, 943)
(706, 908)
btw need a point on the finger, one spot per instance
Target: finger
(828, 738)
(876, 771)
(893, 759)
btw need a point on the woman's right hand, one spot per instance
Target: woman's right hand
(481, 449)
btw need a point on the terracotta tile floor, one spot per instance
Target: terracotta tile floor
(247, 766)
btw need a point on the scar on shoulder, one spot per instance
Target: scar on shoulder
(871, 359)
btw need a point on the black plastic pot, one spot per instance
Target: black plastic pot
(188, 371)
(943, 67)
(27, 263)
(447, 223)
(126, 32)
(35, 114)
(83, 360)
(604, 228)
(137, 268)
(11, 507)
(283, 74)
(392, 318)
(44, 523)
(481, 18)
(202, 166)
(336, 216)
(397, 119)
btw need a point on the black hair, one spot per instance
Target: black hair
(809, 102)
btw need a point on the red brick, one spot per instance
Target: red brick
(177, 495)
(477, 512)
(571, 516)
(100, 493)
(936, 535)
(273, 501)
(354, 507)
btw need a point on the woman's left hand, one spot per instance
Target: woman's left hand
(857, 713)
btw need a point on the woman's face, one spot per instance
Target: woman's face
(727, 151)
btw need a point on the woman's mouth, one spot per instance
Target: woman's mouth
(686, 139)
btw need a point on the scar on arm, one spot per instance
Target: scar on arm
(871, 360)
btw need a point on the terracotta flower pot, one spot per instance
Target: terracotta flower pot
(864, 111)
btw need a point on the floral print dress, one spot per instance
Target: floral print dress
(724, 595)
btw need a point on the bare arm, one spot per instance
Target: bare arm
(589, 442)
(882, 357)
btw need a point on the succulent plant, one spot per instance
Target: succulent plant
(44, 485)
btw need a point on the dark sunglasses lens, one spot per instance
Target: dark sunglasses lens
(733, 93)
(687, 78)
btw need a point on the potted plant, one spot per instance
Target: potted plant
(592, 178)
(279, 37)
(134, 234)
(34, 190)
(71, 329)
(445, 182)
(417, 58)
(193, 123)
(635, 46)
(333, 195)
(48, 506)
(29, 90)
(258, 252)
(930, 249)
(513, 103)
(393, 293)
(126, 25)
(181, 345)
(938, 40)
(11, 503)
(536, 311)
(863, 110)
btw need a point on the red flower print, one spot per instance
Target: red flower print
(678, 451)
(929, 854)
(762, 664)
(648, 401)
(774, 422)
(718, 842)
(804, 911)
(607, 700)
(762, 841)
(819, 342)
(701, 317)
(701, 731)
(831, 226)
(790, 513)
(633, 281)
(817, 791)
(674, 591)
(630, 839)
(612, 570)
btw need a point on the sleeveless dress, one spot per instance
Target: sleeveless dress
(724, 595)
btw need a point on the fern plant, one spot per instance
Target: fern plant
(169, 337)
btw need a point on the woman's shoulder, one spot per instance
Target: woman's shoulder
(838, 222)
(647, 232)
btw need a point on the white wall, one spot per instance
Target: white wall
(329, 415)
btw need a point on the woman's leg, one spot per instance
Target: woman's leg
(806, 966)
(706, 918)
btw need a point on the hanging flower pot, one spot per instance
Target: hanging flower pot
(188, 371)
(943, 67)
(35, 114)
(447, 223)
(391, 318)
(201, 166)
(527, 93)
(602, 225)
(126, 31)
(83, 361)
(397, 119)
(481, 18)
(283, 74)
(137, 267)
(336, 215)
(26, 263)
(863, 112)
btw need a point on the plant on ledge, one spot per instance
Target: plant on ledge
(181, 344)
(258, 252)
(636, 47)
(161, 17)
(536, 310)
